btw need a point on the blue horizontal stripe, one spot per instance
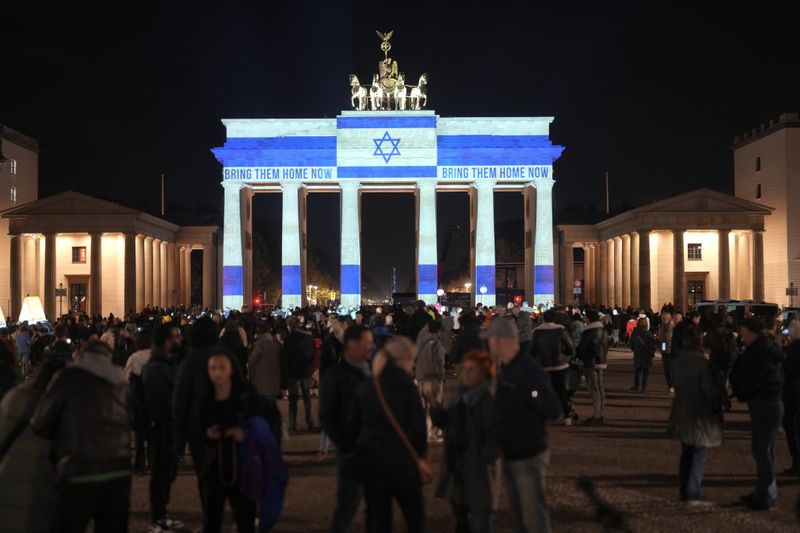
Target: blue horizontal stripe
(232, 280)
(294, 143)
(290, 280)
(385, 122)
(387, 172)
(485, 276)
(491, 141)
(351, 279)
(543, 279)
(427, 282)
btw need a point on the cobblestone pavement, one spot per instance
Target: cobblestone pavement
(631, 460)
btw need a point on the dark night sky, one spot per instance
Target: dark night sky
(653, 94)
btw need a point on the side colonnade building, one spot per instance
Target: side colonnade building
(700, 245)
(387, 151)
(79, 253)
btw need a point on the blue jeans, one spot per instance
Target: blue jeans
(692, 466)
(641, 374)
(525, 482)
(765, 417)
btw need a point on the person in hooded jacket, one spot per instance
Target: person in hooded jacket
(467, 476)
(696, 415)
(86, 412)
(551, 345)
(429, 371)
(593, 353)
(297, 355)
(644, 350)
(757, 378)
(27, 490)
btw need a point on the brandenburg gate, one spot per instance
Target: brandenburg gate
(387, 143)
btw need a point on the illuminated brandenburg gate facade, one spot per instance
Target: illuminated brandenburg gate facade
(387, 151)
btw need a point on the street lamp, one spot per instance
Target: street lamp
(440, 293)
(467, 286)
(483, 289)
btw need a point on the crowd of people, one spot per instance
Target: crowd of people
(92, 401)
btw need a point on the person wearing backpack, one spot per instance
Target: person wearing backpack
(757, 378)
(429, 371)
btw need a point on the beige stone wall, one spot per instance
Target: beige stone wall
(661, 268)
(773, 176)
(26, 182)
(709, 264)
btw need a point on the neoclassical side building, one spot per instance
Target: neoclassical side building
(699, 245)
(81, 253)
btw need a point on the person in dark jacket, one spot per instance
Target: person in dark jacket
(467, 338)
(468, 475)
(593, 353)
(229, 401)
(525, 399)
(192, 385)
(337, 391)
(297, 356)
(332, 347)
(418, 320)
(696, 415)
(158, 386)
(643, 346)
(721, 345)
(382, 463)
(551, 345)
(382, 330)
(757, 378)
(791, 396)
(86, 412)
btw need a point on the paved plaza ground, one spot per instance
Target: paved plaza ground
(631, 459)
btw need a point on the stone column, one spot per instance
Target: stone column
(181, 276)
(544, 287)
(246, 197)
(529, 206)
(50, 276)
(140, 298)
(292, 287)
(351, 244)
(209, 277)
(634, 261)
(164, 275)
(612, 273)
(187, 276)
(597, 277)
(679, 281)
(148, 271)
(724, 265)
(587, 273)
(758, 266)
(129, 274)
(626, 270)
(96, 274)
(232, 252)
(602, 275)
(485, 272)
(427, 260)
(157, 273)
(15, 276)
(170, 260)
(567, 271)
(645, 290)
(618, 282)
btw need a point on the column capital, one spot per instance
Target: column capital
(543, 183)
(292, 184)
(483, 184)
(231, 184)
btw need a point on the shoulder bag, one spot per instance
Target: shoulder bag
(424, 465)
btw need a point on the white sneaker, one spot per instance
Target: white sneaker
(568, 421)
(699, 503)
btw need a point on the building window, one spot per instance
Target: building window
(758, 191)
(13, 195)
(695, 252)
(758, 164)
(12, 166)
(78, 254)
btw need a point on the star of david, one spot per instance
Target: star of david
(379, 147)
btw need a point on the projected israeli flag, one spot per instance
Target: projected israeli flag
(377, 145)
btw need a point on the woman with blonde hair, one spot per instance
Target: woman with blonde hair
(388, 425)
